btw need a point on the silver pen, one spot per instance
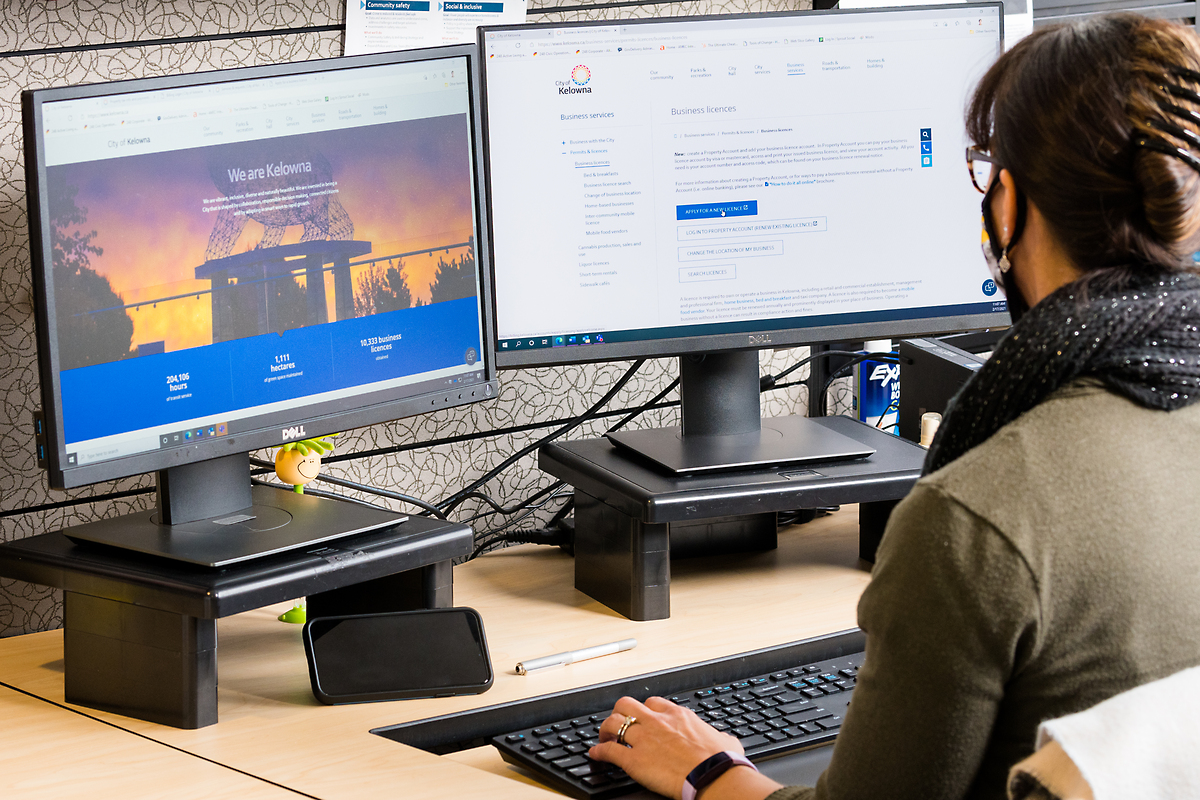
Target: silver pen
(571, 656)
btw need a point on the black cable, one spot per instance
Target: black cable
(519, 507)
(769, 381)
(79, 501)
(652, 402)
(452, 501)
(496, 535)
(362, 487)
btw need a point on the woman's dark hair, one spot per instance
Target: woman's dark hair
(1090, 119)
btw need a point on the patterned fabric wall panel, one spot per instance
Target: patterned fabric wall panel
(34, 25)
(396, 456)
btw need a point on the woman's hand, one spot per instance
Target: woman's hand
(664, 745)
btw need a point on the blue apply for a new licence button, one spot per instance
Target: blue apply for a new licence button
(744, 208)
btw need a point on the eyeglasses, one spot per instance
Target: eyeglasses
(980, 164)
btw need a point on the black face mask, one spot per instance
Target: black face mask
(997, 256)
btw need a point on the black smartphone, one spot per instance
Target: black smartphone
(362, 658)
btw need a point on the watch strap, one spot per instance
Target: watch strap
(710, 769)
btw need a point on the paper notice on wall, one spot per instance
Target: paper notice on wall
(375, 26)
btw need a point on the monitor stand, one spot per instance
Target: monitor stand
(209, 514)
(722, 426)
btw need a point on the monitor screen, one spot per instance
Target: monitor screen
(230, 260)
(670, 186)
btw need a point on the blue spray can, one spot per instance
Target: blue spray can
(877, 389)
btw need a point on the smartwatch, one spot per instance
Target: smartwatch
(710, 769)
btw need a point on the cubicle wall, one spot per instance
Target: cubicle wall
(54, 44)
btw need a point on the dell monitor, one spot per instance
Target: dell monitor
(232, 260)
(707, 187)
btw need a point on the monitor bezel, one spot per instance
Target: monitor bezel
(767, 336)
(348, 413)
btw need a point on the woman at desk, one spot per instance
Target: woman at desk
(1048, 558)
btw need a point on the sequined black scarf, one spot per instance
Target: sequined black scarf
(1142, 341)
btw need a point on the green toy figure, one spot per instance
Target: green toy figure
(299, 462)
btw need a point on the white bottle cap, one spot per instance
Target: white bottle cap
(930, 421)
(878, 346)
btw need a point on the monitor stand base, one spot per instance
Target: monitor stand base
(780, 441)
(276, 521)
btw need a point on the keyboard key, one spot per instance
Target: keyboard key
(561, 726)
(723, 689)
(807, 716)
(828, 678)
(577, 748)
(754, 717)
(728, 701)
(813, 681)
(779, 676)
(679, 700)
(582, 722)
(552, 754)
(776, 736)
(742, 697)
(849, 672)
(709, 705)
(809, 727)
(569, 761)
(550, 741)
(568, 738)
(845, 684)
(757, 681)
(583, 770)
(831, 688)
(811, 668)
(532, 747)
(738, 685)
(598, 780)
(771, 713)
(785, 697)
(830, 723)
(721, 725)
(514, 737)
(768, 702)
(797, 685)
(712, 715)
(596, 719)
(736, 722)
(705, 693)
(742, 732)
(754, 741)
(764, 691)
(812, 692)
(760, 727)
(542, 731)
(799, 705)
(796, 672)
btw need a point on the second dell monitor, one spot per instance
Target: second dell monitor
(695, 185)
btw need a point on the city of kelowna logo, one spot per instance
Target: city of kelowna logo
(580, 76)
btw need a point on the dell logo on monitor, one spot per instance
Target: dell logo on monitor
(294, 433)
(760, 338)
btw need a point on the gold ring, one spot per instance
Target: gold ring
(625, 727)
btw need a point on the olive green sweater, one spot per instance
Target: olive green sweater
(1053, 566)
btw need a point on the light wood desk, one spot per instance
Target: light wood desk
(272, 728)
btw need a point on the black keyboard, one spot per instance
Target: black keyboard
(770, 714)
